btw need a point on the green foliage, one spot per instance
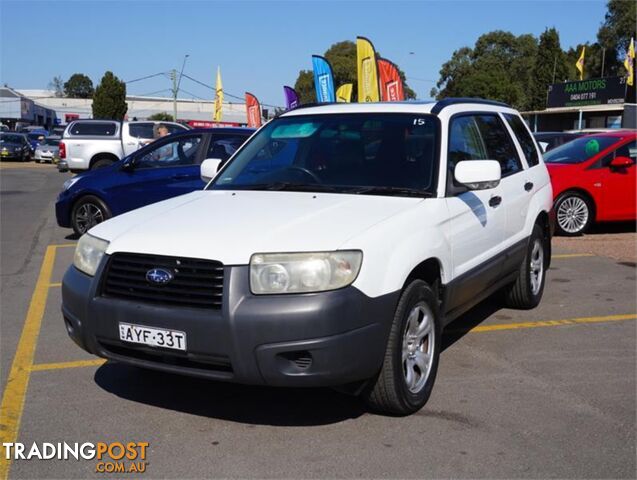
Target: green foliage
(79, 86)
(161, 117)
(499, 67)
(342, 58)
(109, 100)
(550, 66)
(619, 26)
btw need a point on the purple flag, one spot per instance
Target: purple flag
(291, 98)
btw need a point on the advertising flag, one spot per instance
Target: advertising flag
(218, 97)
(344, 93)
(367, 71)
(629, 63)
(291, 98)
(580, 64)
(323, 79)
(253, 109)
(391, 85)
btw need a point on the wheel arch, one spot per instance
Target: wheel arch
(102, 156)
(430, 271)
(544, 221)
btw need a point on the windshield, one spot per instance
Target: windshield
(51, 142)
(9, 138)
(35, 136)
(352, 153)
(580, 149)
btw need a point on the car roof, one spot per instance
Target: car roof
(240, 130)
(617, 133)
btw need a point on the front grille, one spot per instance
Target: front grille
(196, 283)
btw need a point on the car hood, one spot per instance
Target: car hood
(230, 226)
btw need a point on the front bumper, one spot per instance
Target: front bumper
(322, 339)
(63, 209)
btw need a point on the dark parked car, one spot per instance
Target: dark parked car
(549, 140)
(14, 146)
(168, 167)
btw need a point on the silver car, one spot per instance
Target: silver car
(48, 150)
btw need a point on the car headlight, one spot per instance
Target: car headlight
(69, 183)
(88, 253)
(303, 272)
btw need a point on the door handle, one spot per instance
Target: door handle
(495, 201)
(528, 186)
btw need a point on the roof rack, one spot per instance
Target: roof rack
(447, 102)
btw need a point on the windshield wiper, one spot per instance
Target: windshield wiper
(398, 191)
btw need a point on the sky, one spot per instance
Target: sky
(260, 46)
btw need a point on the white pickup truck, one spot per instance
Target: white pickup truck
(91, 144)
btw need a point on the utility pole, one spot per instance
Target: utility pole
(173, 77)
(603, 60)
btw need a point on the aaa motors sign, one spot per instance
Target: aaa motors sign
(594, 91)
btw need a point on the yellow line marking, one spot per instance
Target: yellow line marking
(60, 365)
(51, 285)
(14, 394)
(572, 255)
(546, 323)
(64, 245)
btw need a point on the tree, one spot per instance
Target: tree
(109, 100)
(342, 58)
(79, 86)
(619, 26)
(57, 85)
(550, 66)
(161, 117)
(499, 67)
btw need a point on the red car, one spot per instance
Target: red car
(593, 180)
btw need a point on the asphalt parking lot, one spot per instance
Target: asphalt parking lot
(549, 392)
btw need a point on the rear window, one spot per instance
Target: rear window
(141, 130)
(94, 128)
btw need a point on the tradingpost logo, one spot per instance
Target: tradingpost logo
(113, 457)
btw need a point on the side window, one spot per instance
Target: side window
(524, 139)
(499, 145)
(178, 152)
(223, 146)
(628, 150)
(141, 130)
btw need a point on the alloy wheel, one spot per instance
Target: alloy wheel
(87, 216)
(418, 347)
(572, 214)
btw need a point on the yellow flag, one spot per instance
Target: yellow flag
(218, 97)
(629, 63)
(344, 93)
(580, 64)
(367, 71)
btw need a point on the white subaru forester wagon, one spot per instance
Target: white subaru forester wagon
(330, 250)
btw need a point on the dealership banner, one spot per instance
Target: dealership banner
(253, 109)
(593, 91)
(323, 79)
(367, 71)
(391, 85)
(291, 98)
(344, 93)
(218, 97)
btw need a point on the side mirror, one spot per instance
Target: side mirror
(128, 166)
(621, 162)
(209, 168)
(478, 174)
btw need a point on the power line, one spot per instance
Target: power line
(147, 76)
(225, 92)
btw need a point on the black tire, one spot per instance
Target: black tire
(388, 393)
(562, 205)
(82, 210)
(525, 293)
(104, 162)
(25, 158)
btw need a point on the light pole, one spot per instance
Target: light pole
(176, 83)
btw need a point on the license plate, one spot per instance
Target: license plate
(154, 337)
(4, 153)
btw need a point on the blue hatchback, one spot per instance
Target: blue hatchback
(164, 169)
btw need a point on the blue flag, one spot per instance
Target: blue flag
(323, 80)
